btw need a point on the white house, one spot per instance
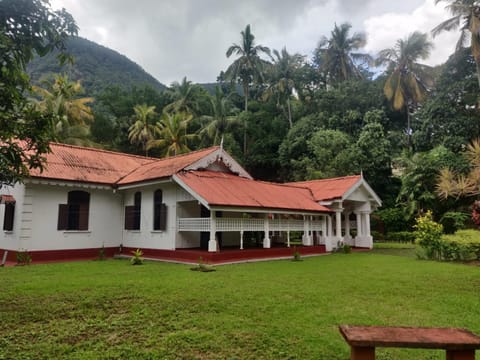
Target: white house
(87, 199)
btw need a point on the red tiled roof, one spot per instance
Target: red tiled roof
(76, 163)
(165, 167)
(328, 189)
(222, 189)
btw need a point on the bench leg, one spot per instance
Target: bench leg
(460, 354)
(362, 353)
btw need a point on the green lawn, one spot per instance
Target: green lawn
(268, 310)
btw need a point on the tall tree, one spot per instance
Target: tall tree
(222, 118)
(337, 57)
(27, 27)
(247, 68)
(171, 133)
(141, 131)
(406, 84)
(466, 16)
(283, 76)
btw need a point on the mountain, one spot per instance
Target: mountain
(96, 66)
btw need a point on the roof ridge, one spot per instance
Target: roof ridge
(256, 180)
(103, 151)
(327, 179)
(212, 148)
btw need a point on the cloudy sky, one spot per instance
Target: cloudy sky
(171, 39)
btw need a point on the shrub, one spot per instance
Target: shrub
(464, 245)
(137, 258)
(428, 235)
(377, 236)
(400, 236)
(296, 254)
(23, 257)
(453, 221)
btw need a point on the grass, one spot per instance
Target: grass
(267, 310)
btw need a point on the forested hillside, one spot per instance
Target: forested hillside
(96, 66)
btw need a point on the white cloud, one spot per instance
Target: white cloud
(384, 30)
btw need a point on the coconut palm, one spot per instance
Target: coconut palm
(406, 84)
(141, 132)
(222, 119)
(466, 16)
(171, 134)
(283, 79)
(248, 68)
(186, 97)
(337, 56)
(70, 114)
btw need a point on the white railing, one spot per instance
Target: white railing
(241, 224)
(193, 224)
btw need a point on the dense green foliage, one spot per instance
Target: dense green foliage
(110, 309)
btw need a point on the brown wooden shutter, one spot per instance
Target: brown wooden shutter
(163, 217)
(9, 215)
(129, 217)
(83, 217)
(62, 217)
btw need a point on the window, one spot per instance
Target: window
(159, 211)
(132, 213)
(9, 214)
(74, 214)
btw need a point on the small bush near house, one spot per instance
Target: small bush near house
(296, 254)
(137, 258)
(23, 257)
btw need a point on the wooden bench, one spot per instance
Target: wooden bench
(459, 344)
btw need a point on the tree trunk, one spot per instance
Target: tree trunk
(409, 130)
(477, 65)
(245, 93)
(289, 113)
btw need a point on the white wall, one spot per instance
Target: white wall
(9, 240)
(187, 209)
(104, 225)
(146, 237)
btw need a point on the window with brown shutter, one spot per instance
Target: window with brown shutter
(133, 213)
(74, 215)
(9, 216)
(159, 211)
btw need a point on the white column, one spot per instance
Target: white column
(367, 223)
(241, 239)
(212, 243)
(266, 238)
(328, 234)
(338, 224)
(359, 224)
(306, 239)
(347, 238)
(288, 238)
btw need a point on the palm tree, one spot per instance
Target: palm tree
(186, 97)
(283, 79)
(406, 84)
(248, 68)
(141, 132)
(70, 113)
(172, 134)
(222, 118)
(336, 56)
(466, 16)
